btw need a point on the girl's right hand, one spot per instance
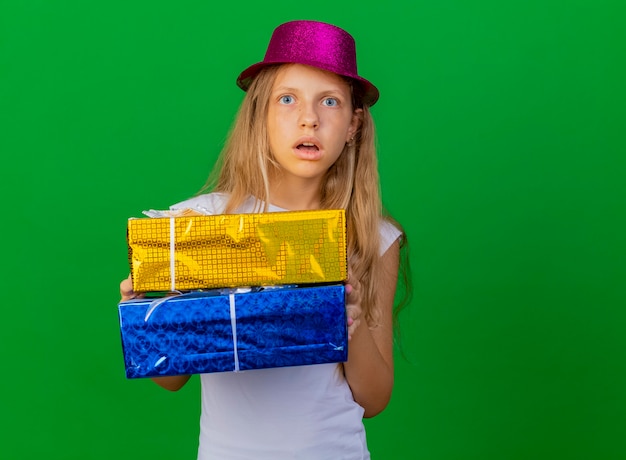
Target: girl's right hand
(172, 383)
(126, 290)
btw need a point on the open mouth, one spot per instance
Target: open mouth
(307, 147)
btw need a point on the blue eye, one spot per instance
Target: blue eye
(286, 99)
(330, 102)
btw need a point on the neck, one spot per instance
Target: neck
(295, 195)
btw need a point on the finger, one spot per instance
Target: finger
(352, 278)
(126, 286)
(353, 313)
(126, 289)
(353, 296)
(352, 328)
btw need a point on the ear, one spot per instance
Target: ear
(355, 124)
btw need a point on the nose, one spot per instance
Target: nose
(308, 117)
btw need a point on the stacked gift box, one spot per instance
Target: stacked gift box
(235, 292)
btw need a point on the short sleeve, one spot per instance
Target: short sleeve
(388, 234)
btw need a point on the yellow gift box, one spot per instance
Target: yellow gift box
(230, 250)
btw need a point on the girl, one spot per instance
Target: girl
(304, 139)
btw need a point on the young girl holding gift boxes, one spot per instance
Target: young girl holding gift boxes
(303, 140)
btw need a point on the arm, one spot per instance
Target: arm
(369, 369)
(172, 383)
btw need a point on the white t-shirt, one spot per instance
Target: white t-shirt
(287, 413)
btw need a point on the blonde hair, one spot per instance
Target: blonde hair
(244, 167)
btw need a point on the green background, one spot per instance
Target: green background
(501, 129)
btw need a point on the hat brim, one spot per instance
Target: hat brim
(369, 91)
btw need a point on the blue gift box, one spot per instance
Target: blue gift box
(222, 330)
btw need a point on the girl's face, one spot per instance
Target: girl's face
(309, 120)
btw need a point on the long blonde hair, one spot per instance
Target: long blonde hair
(244, 167)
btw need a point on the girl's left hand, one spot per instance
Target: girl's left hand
(353, 305)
